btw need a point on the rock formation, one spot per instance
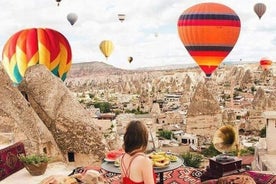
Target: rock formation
(203, 102)
(263, 102)
(259, 101)
(74, 130)
(204, 114)
(247, 80)
(19, 119)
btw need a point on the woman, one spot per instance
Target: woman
(136, 167)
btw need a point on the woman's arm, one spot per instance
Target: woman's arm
(147, 171)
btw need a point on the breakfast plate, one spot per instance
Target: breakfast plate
(161, 167)
(109, 160)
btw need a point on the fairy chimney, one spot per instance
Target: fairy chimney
(74, 130)
(203, 102)
(18, 119)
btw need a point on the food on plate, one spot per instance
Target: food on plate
(172, 158)
(114, 154)
(117, 162)
(161, 159)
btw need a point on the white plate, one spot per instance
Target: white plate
(154, 167)
(108, 160)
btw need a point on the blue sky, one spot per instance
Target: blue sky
(97, 21)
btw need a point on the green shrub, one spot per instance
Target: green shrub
(165, 134)
(33, 159)
(263, 132)
(192, 159)
(211, 151)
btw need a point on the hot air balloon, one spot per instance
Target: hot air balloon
(265, 63)
(260, 9)
(72, 18)
(107, 47)
(121, 17)
(209, 32)
(58, 1)
(130, 59)
(33, 46)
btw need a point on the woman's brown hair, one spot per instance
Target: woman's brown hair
(136, 137)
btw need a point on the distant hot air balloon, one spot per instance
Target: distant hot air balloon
(209, 32)
(130, 59)
(58, 1)
(107, 47)
(260, 9)
(121, 17)
(36, 46)
(265, 63)
(72, 18)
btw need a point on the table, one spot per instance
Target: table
(109, 166)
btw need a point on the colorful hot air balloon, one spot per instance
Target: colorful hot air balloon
(58, 1)
(36, 46)
(72, 18)
(121, 17)
(260, 9)
(209, 32)
(107, 47)
(265, 63)
(130, 59)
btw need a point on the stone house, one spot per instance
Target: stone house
(265, 150)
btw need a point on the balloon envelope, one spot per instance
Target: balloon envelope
(209, 32)
(260, 9)
(107, 47)
(121, 17)
(58, 1)
(72, 18)
(130, 59)
(33, 46)
(265, 63)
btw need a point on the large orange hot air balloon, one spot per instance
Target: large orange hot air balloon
(259, 9)
(36, 46)
(209, 32)
(265, 63)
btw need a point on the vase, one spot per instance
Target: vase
(36, 169)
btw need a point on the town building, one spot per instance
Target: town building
(265, 150)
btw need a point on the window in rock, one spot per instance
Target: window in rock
(45, 150)
(71, 157)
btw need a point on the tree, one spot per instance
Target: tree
(103, 106)
(165, 134)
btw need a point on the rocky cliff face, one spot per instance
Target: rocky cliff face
(18, 118)
(73, 128)
(247, 79)
(203, 102)
(263, 102)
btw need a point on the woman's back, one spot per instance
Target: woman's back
(137, 169)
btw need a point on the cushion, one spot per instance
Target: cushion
(239, 179)
(9, 162)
